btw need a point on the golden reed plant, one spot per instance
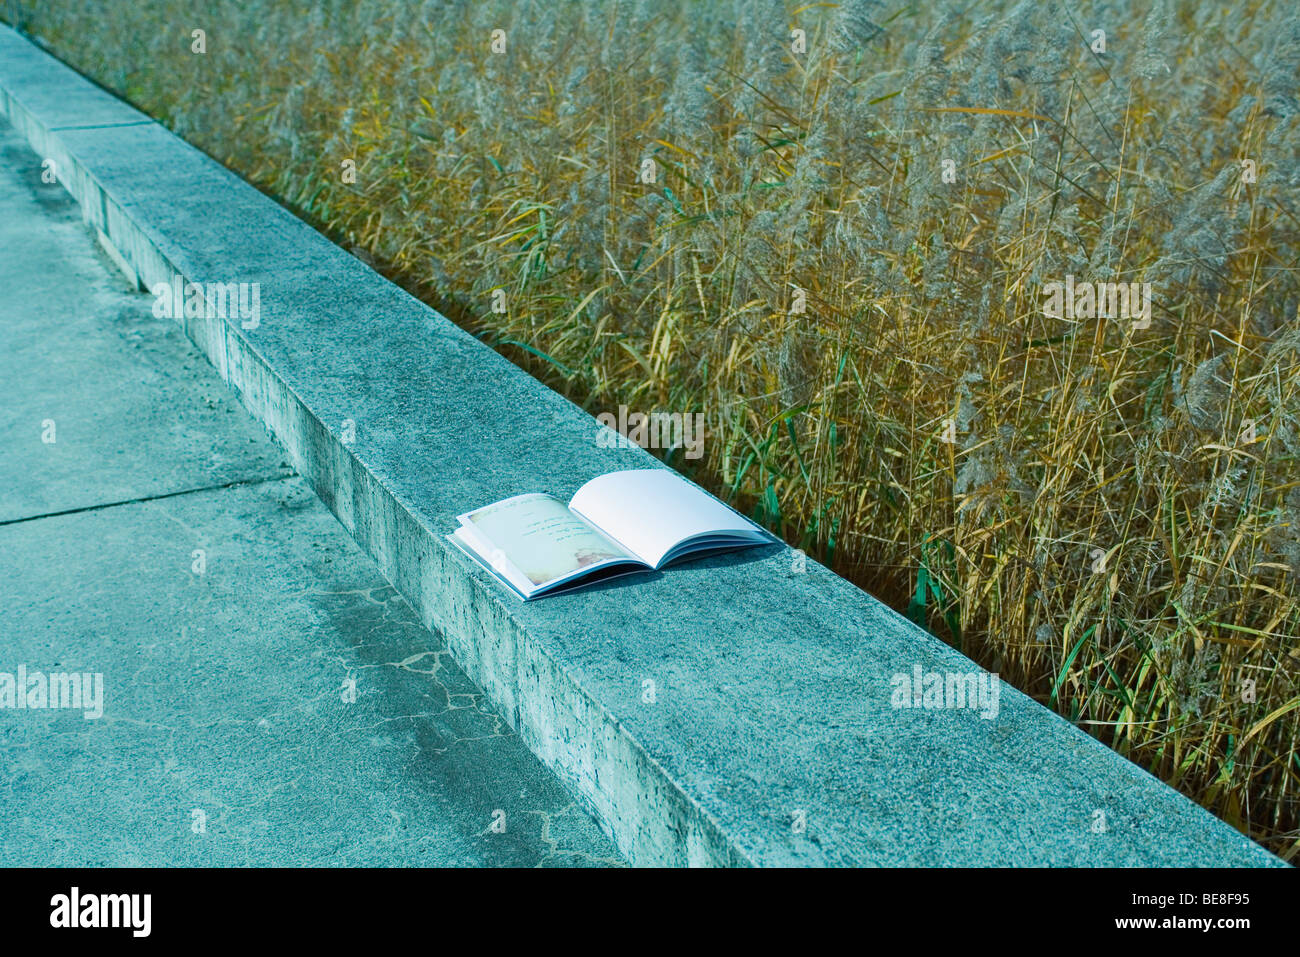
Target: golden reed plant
(1104, 514)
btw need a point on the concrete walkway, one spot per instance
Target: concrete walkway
(268, 699)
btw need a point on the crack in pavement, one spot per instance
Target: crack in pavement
(151, 498)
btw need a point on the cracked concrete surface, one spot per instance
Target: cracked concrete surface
(269, 698)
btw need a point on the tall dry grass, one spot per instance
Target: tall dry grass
(1172, 449)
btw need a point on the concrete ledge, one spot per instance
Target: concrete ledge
(773, 690)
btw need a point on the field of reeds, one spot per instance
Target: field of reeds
(835, 244)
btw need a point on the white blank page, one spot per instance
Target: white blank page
(649, 511)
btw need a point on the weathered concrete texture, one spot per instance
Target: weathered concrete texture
(65, 100)
(135, 411)
(225, 692)
(226, 682)
(773, 695)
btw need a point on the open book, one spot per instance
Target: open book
(616, 524)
